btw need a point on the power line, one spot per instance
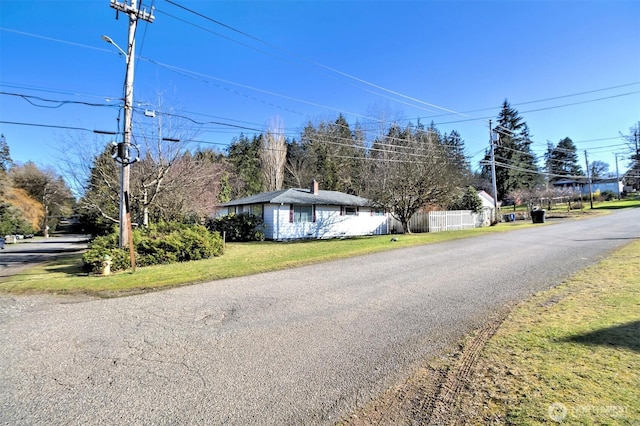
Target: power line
(187, 72)
(59, 103)
(315, 63)
(54, 126)
(550, 99)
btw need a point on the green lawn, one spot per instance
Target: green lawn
(570, 353)
(66, 276)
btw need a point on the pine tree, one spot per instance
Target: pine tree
(5, 157)
(516, 164)
(243, 154)
(563, 161)
(455, 148)
(333, 155)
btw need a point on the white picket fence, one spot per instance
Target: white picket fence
(438, 221)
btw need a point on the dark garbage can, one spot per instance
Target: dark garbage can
(511, 217)
(537, 216)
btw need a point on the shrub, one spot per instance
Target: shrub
(159, 244)
(238, 227)
(467, 200)
(104, 247)
(607, 195)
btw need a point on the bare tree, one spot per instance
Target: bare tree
(273, 156)
(633, 140)
(412, 171)
(190, 189)
(162, 140)
(297, 168)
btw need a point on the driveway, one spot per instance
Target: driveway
(300, 346)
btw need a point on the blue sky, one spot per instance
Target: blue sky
(572, 68)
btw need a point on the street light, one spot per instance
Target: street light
(110, 41)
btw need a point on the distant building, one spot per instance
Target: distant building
(582, 186)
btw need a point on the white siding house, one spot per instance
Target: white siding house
(488, 213)
(297, 213)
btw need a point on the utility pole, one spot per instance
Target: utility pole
(493, 176)
(134, 14)
(635, 168)
(586, 159)
(617, 177)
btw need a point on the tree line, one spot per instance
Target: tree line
(32, 199)
(403, 169)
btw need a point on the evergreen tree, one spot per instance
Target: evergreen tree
(516, 164)
(562, 161)
(455, 148)
(334, 155)
(98, 208)
(5, 157)
(19, 212)
(244, 156)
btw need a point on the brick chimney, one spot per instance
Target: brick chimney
(314, 187)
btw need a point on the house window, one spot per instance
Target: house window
(351, 211)
(377, 212)
(256, 210)
(301, 213)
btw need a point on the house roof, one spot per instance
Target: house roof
(486, 197)
(301, 196)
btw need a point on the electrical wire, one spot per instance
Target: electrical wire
(315, 63)
(186, 72)
(59, 103)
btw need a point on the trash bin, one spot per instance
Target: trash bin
(537, 216)
(511, 217)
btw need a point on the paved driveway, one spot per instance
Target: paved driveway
(300, 346)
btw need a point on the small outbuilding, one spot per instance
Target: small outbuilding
(299, 213)
(488, 213)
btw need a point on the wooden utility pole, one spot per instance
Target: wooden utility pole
(586, 159)
(134, 14)
(617, 177)
(494, 185)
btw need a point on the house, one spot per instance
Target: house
(608, 184)
(298, 213)
(582, 186)
(488, 212)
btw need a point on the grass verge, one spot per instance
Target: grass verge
(65, 275)
(570, 354)
(240, 259)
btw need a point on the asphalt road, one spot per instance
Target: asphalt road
(300, 346)
(15, 257)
